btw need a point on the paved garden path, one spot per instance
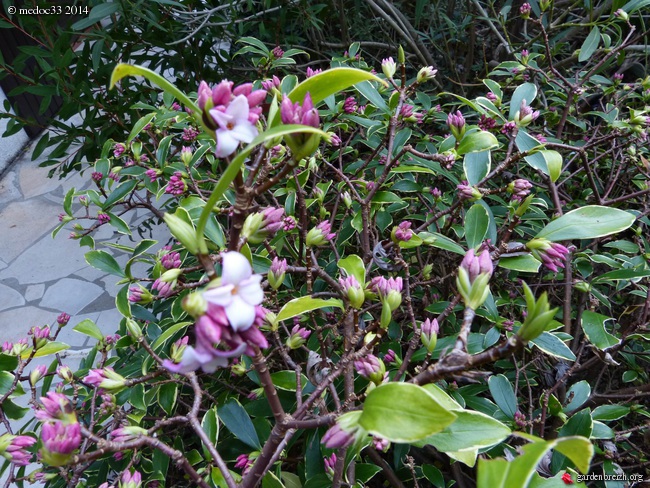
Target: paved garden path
(41, 276)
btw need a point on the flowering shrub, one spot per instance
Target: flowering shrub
(355, 286)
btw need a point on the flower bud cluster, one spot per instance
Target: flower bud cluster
(473, 278)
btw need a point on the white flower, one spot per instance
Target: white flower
(239, 292)
(234, 126)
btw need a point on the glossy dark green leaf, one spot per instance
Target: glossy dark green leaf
(7, 362)
(237, 421)
(104, 262)
(118, 193)
(503, 394)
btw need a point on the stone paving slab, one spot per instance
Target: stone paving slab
(23, 222)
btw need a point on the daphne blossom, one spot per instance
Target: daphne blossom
(239, 293)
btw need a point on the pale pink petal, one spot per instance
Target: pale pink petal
(226, 143)
(240, 314)
(236, 268)
(191, 361)
(221, 295)
(244, 131)
(250, 290)
(238, 109)
(221, 118)
(212, 365)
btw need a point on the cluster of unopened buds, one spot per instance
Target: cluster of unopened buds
(298, 337)
(259, 226)
(231, 112)
(302, 144)
(519, 189)
(372, 368)
(14, 448)
(474, 276)
(353, 290)
(61, 432)
(320, 235)
(551, 254)
(403, 232)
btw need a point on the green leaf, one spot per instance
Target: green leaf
(98, 13)
(494, 87)
(67, 201)
(415, 416)
(237, 421)
(329, 82)
(121, 226)
(634, 5)
(121, 191)
(143, 246)
(40, 147)
(587, 223)
(169, 332)
(579, 394)
(167, 395)
(608, 413)
(593, 325)
(499, 473)
(89, 328)
(580, 424)
(6, 380)
(104, 262)
(7, 362)
(13, 411)
(621, 274)
(271, 481)
(602, 431)
(503, 394)
(386, 197)
(552, 345)
(476, 142)
(590, 45)
(372, 95)
(527, 143)
(630, 376)
(470, 431)
(163, 149)
(476, 225)
(441, 242)
(136, 398)
(526, 263)
(553, 160)
(139, 125)
(122, 302)
(286, 380)
(46, 350)
(353, 266)
(292, 480)
(210, 426)
(477, 165)
(122, 70)
(299, 306)
(528, 92)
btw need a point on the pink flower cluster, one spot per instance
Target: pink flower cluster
(231, 112)
(176, 185)
(61, 432)
(229, 324)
